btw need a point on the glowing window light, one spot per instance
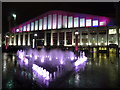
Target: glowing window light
(95, 22)
(76, 22)
(59, 21)
(24, 28)
(40, 24)
(82, 22)
(36, 25)
(64, 21)
(54, 21)
(32, 26)
(112, 31)
(88, 22)
(49, 21)
(102, 23)
(45, 23)
(28, 27)
(70, 22)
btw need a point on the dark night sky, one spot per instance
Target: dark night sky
(29, 10)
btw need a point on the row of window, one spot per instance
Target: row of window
(58, 21)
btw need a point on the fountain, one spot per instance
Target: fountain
(49, 65)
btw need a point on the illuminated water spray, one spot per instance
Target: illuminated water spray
(48, 65)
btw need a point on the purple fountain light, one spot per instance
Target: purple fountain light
(51, 64)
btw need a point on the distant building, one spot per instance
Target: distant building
(57, 28)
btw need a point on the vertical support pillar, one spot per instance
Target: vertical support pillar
(45, 43)
(10, 40)
(14, 40)
(107, 41)
(23, 39)
(19, 40)
(81, 38)
(65, 38)
(28, 43)
(73, 37)
(97, 43)
(58, 39)
(51, 38)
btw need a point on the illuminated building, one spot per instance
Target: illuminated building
(57, 28)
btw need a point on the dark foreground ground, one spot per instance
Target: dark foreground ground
(99, 72)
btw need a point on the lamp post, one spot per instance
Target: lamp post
(6, 39)
(76, 41)
(14, 16)
(34, 40)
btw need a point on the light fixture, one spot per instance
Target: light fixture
(7, 36)
(14, 15)
(76, 33)
(35, 34)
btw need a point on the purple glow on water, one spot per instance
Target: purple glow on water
(41, 71)
(26, 61)
(42, 59)
(53, 58)
(36, 57)
(81, 60)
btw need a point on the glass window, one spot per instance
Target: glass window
(49, 21)
(102, 23)
(112, 31)
(64, 21)
(95, 22)
(82, 22)
(76, 22)
(32, 26)
(45, 23)
(88, 22)
(59, 21)
(24, 28)
(70, 22)
(40, 24)
(54, 21)
(36, 25)
(28, 27)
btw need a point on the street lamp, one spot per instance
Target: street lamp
(34, 40)
(76, 42)
(6, 39)
(14, 15)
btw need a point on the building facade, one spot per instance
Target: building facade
(57, 28)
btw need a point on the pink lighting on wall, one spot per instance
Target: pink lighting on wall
(60, 18)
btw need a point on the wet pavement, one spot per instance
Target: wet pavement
(99, 72)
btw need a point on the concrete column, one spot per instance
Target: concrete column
(80, 38)
(65, 38)
(51, 38)
(19, 40)
(58, 39)
(89, 38)
(14, 43)
(28, 43)
(10, 40)
(23, 39)
(73, 38)
(45, 36)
